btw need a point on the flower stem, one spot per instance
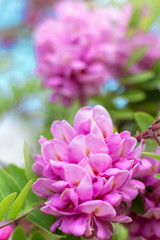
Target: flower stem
(20, 217)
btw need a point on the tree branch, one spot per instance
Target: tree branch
(22, 216)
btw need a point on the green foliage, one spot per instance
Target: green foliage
(157, 175)
(138, 205)
(29, 163)
(71, 237)
(119, 231)
(19, 234)
(8, 183)
(137, 55)
(5, 204)
(143, 120)
(36, 236)
(18, 203)
(138, 78)
(133, 95)
(153, 155)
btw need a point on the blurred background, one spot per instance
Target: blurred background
(25, 109)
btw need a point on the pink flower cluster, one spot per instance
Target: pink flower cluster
(77, 50)
(5, 233)
(87, 172)
(146, 226)
(81, 49)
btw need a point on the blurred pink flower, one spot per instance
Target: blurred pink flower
(87, 171)
(5, 233)
(146, 226)
(82, 48)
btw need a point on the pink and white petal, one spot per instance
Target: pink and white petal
(59, 186)
(48, 151)
(83, 116)
(96, 130)
(108, 186)
(100, 111)
(61, 149)
(79, 225)
(73, 174)
(100, 162)
(85, 189)
(96, 144)
(56, 224)
(58, 202)
(97, 187)
(121, 179)
(43, 187)
(99, 207)
(114, 198)
(57, 130)
(122, 219)
(66, 223)
(77, 149)
(105, 126)
(128, 145)
(104, 229)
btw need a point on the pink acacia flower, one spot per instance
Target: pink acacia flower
(146, 226)
(76, 50)
(87, 172)
(82, 48)
(5, 233)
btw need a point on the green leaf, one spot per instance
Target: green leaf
(157, 175)
(143, 120)
(133, 95)
(138, 78)
(153, 155)
(44, 221)
(18, 203)
(8, 183)
(5, 204)
(19, 234)
(18, 174)
(123, 114)
(29, 163)
(21, 179)
(71, 237)
(137, 55)
(138, 205)
(118, 231)
(37, 236)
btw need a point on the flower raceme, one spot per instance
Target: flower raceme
(87, 173)
(77, 50)
(80, 49)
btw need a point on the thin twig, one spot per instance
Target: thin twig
(22, 216)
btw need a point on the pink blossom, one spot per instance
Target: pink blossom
(146, 226)
(5, 233)
(82, 48)
(76, 50)
(86, 172)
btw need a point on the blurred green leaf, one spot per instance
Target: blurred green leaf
(20, 177)
(37, 236)
(71, 237)
(138, 205)
(19, 234)
(18, 203)
(44, 221)
(157, 175)
(143, 120)
(138, 78)
(134, 21)
(133, 95)
(118, 231)
(8, 183)
(5, 204)
(136, 56)
(29, 163)
(122, 114)
(153, 155)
